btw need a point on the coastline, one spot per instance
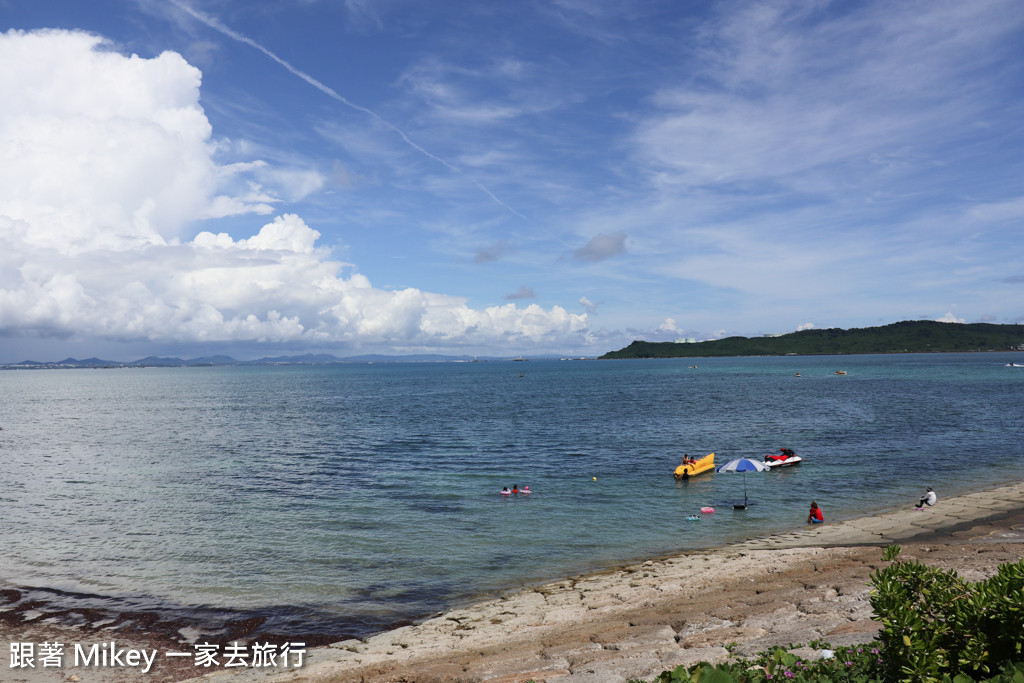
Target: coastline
(634, 621)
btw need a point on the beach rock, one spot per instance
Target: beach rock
(751, 647)
(542, 676)
(853, 632)
(698, 623)
(562, 615)
(570, 650)
(689, 656)
(648, 638)
(613, 668)
(350, 645)
(720, 637)
(513, 668)
(779, 618)
(806, 653)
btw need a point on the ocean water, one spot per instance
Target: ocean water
(325, 502)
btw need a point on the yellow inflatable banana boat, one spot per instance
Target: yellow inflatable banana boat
(696, 466)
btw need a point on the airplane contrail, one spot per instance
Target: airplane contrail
(330, 92)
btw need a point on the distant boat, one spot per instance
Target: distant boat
(840, 372)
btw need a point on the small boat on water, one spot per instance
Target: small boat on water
(784, 458)
(691, 467)
(840, 372)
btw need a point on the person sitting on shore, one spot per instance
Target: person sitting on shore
(815, 516)
(928, 499)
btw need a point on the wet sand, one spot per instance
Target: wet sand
(634, 622)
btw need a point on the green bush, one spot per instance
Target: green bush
(864, 664)
(855, 664)
(936, 624)
(936, 628)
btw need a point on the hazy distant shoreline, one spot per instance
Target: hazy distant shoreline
(225, 361)
(906, 337)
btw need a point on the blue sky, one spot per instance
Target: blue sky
(501, 178)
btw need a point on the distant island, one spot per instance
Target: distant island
(912, 336)
(305, 359)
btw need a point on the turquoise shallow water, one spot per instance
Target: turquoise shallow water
(337, 500)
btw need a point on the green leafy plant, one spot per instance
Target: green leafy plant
(862, 664)
(936, 628)
(856, 665)
(891, 552)
(935, 624)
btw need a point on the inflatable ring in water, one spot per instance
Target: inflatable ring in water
(707, 510)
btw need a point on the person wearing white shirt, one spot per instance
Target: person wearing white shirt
(928, 498)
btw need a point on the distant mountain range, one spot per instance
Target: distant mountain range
(912, 336)
(207, 361)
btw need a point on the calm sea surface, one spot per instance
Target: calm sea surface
(334, 501)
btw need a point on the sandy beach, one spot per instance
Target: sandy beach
(634, 622)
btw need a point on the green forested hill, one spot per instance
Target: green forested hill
(918, 336)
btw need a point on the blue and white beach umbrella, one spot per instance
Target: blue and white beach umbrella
(743, 465)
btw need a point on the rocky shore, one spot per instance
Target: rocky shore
(633, 622)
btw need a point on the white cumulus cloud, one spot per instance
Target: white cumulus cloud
(107, 160)
(99, 150)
